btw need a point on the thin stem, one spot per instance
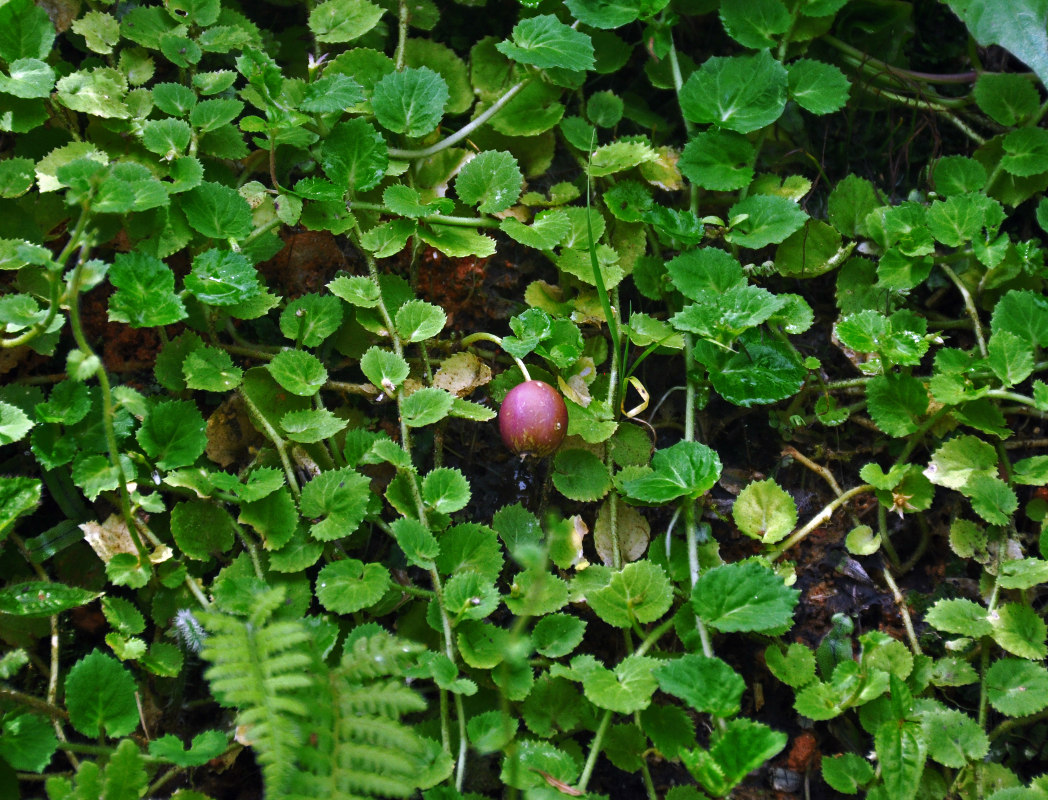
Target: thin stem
(969, 305)
(466, 222)
(464, 131)
(904, 612)
(402, 34)
(591, 759)
(278, 442)
(817, 520)
(481, 336)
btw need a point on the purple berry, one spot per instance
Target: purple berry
(533, 419)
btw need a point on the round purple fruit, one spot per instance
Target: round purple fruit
(533, 419)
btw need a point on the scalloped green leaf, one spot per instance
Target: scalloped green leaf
(100, 697)
(639, 593)
(743, 596)
(298, 371)
(337, 500)
(706, 684)
(145, 291)
(544, 41)
(349, 585)
(172, 434)
(740, 93)
(411, 101)
(580, 475)
(491, 181)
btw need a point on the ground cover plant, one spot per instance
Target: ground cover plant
(591, 398)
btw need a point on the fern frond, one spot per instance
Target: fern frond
(363, 750)
(260, 667)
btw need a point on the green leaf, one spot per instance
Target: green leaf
(16, 176)
(626, 689)
(354, 155)
(383, 368)
(1026, 152)
(764, 219)
(212, 370)
(960, 174)
(1020, 630)
(42, 599)
(210, 115)
(956, 462)
(897, 403)
(604, 109)
(168, 138)
(100, 697)
(173, 434)
(334, 92)
(706, 684)
(217, 211)
(25, 31)
(455, 241)
(795, 667)
(556, 635)
(99, 92)
(411, 101)
(609, 14)
(337, 500)
(349, 586)
(145, 296)
(1007, 98)
(470, 547)
(335, 21)
(311, 425)
(740, 93)
(1021, 31)
(205, 746)
(1017, 687)
(763, 370)
(954, 739)
(992, 499)
(27, 742)
(959, 616)
(720, 160)
(1023, 313)
(425, 407)
(817, 87)
(491, 179)
(847, 773)
(469, 596)
(29, 77)
(311, 318)
(445, 490)
(18, 496)
(901, 750)
(299, 372)
(14, 424)
(356, 290)
(418, 320)
(755, 23)
(1010, 357)
(580, 475)
(619, 156)
(639, 593)
(743, 596)
(416, 541)
(544, 41)
(201, 529)
(735, 751)
(763, 510)
(703, 273)
(546, 231)
(686, 469)
(406, 202)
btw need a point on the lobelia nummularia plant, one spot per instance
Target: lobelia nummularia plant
(282, 538)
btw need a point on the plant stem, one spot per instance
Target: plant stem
(591, 759)
(817, 520)
(969, 305)
(464, 131)
(481, 336)
(278, 442)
